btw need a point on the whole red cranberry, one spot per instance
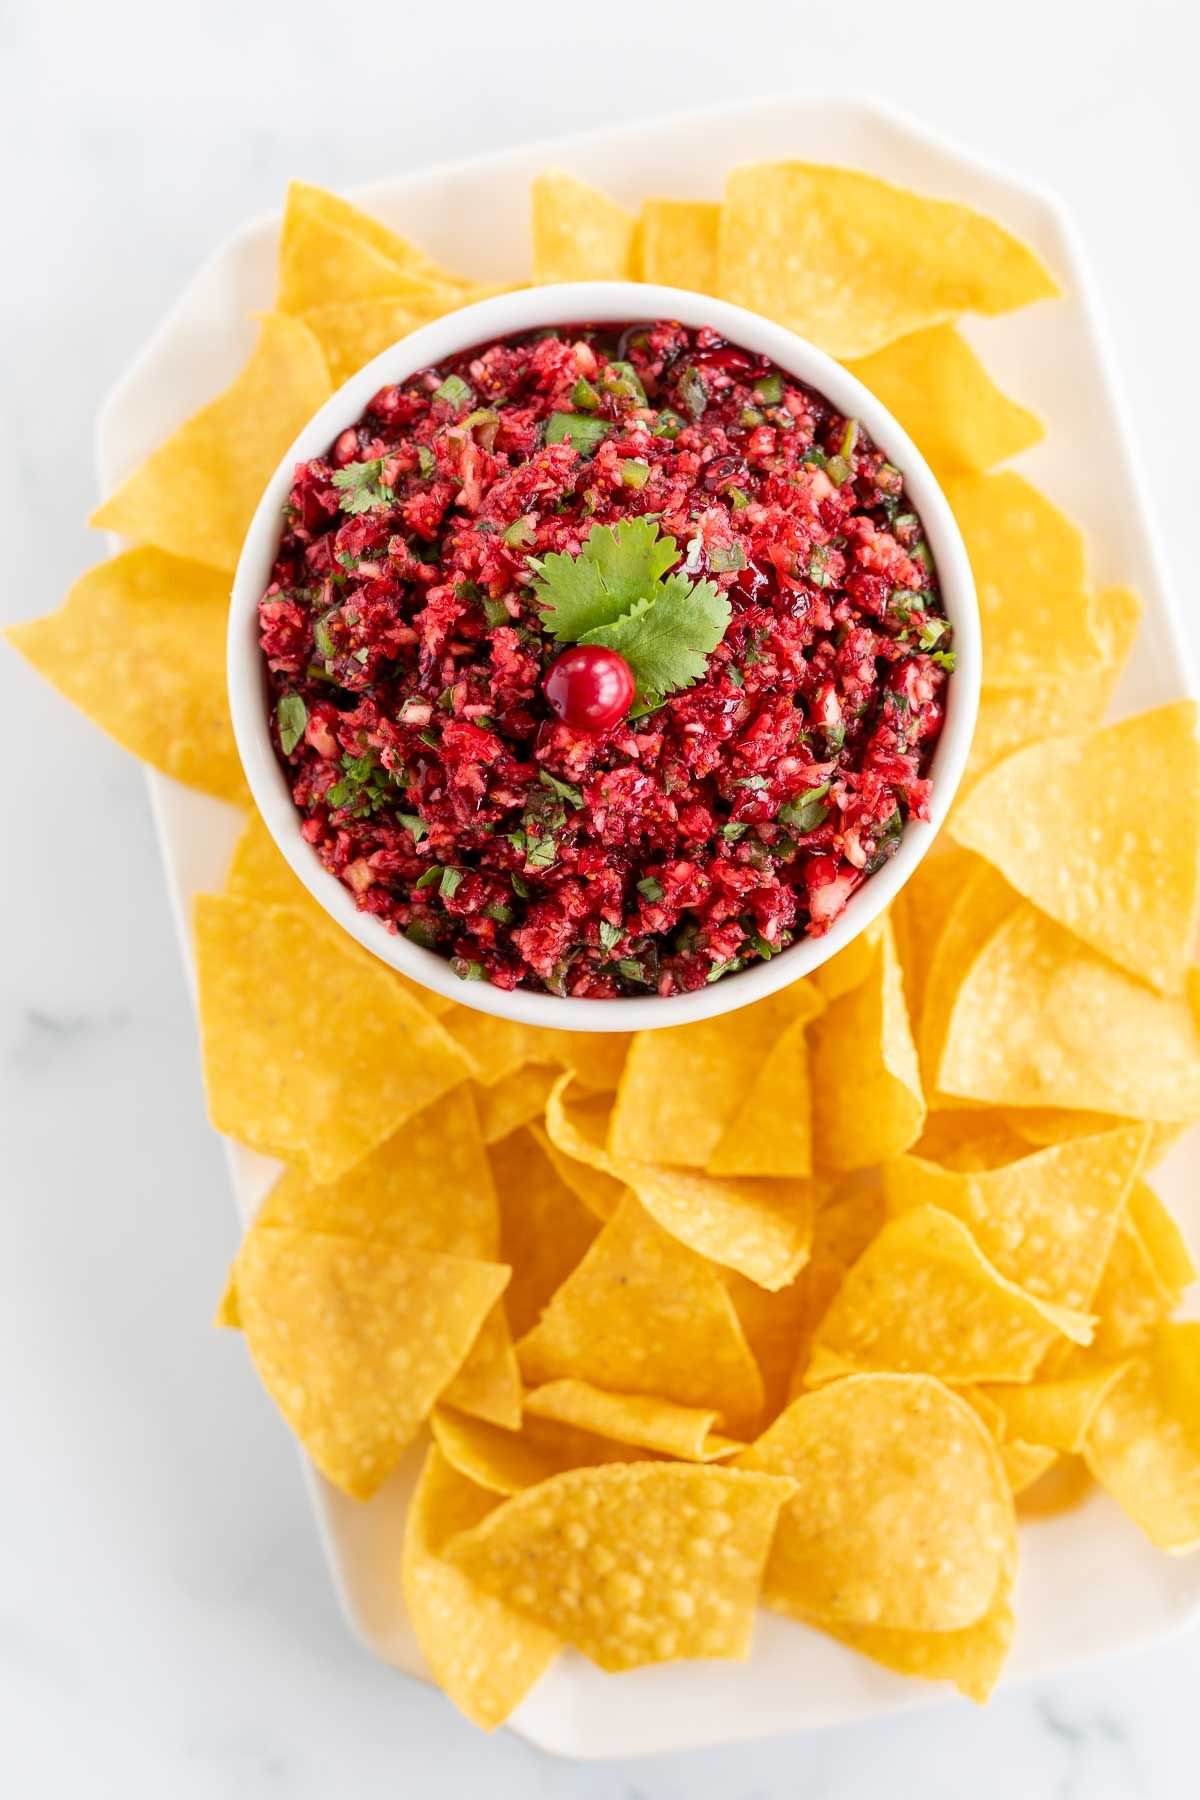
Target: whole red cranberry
(590, 688)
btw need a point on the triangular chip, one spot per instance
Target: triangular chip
(1039, 1020)
(353, 332)
(853, 262)
(1075, 825)
(851, 966)
(196, 494)
(642, 1314)
(947, 402)
(355, 1341)
(866, 1085)
(902, 1515)
(686, 1432)
(918, 914)
(923, 1299)
(972, 1659)
(576, 1130)
(763, 1229)
(488, 1385)
(632, 1563)
(483, 1655)
(1031, 578)
(983, 902)
(330, 249)
(1047, 1221)
(545, 1232)
(508, 1461)
(771, 1131)
(1056, 1414)
(1143, 1443)
(139, 646)
(317, 1072)
(513, 1101)
(679, 243)
(579, 234)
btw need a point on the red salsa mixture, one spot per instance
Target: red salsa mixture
(562, 816)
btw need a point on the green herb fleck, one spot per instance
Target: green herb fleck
(292, 715)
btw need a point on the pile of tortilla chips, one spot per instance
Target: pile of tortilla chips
(803, 1306)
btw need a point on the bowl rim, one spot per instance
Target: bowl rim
(599, 302)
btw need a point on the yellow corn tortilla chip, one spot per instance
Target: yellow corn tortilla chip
(1031, 577)
(919, 913)
(1055, 1414)
(1044, 1125)
(902, 1516)
(686, 1432)
(509, 1461)
(866, 1085)
(1046, 1222)
(984, 902)
(579, 234)
(482, 1654)
(353, 332)
(763, 1229)
(771, 1131)
(642, 1314)
(851, 966)
(972, 1659)
(947, 402)
(195, 495)
(1143, 1442)
(514, 1101)
(266, 1026)
(596, 1058)
(1144, 1280)
(632, 1563)
(545, 1232)
(923, 1299)
(774, 1324)
(1063, 1486)
(1025, 1464)
(1075, 826)
(355, 1341)
(576, 1131)
(488, 1385)
(969, 1141)
(139, 646)
(494, 1047)
(853, 262)
(1039, 1020)
(679, 243)
(306, 204)
(1011, 717)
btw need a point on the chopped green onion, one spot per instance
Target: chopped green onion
(835, 737)
(503, 915)
(889, 478)
(634, 474)
(519, 533)
(818, 566)
(923, 554)
(415, 824)
(837, 469)
(651, 889)
(945, 659)
(734, 829)
(430, 878)
(419, 932)
(584, 432)
(520, 888)
(737, 499)
(769, 389)
(667, 425)
(584, 397)
(815, 457)
(624, 383)
(750, 417)
(454, 393)
(692, 392)
(931, 631)
(426, 461)
(466, 971)
(850, 437)
(487, 418)
(449, 884)
(495, 611)
(805, 812)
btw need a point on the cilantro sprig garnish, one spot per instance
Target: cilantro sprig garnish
(617, 592)
(361, 486)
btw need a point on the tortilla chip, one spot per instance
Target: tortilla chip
(1075, 826)
(1046, 1222)
(642, 1314)
(770, 1133)
(196, 494)
(852, 262)
(1143, 1443)
(969, 1141)
(482, 1654)
(1056, 1414)
(327, 246)
(488, 1385)
(679, 243)
(866, 1085)
(983, 903)
(1041, 1021)
(851, 966)
(763, 1229)
(774, 1324)
(354, 1341)
(514, 1101)
(1044, 1125)
(923, 1299)
(971, 1659)
(544, 1230)
(1031, 578)
(685, 1432)
(934, 383)
(1147, 1272)
(139, 646)
(508, 1462)
(596, 1058)
(267, 1028)
(1065, 1485)
(576, 1132)
(919, 913)
(579, 234)
(632, 1563)
(902, 1516)
(353, 332)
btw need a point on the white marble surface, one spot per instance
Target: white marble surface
(165, 1622)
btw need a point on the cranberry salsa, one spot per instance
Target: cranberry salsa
(604, 661)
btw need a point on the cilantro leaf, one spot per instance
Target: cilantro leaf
(563, 789)
(293, 717)
(667, 640)
(361, 487)
(610, 935)
(618, 566)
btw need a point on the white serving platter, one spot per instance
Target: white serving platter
(1089, 1584)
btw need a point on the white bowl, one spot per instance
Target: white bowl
(599, 302)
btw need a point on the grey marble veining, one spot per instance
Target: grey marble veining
(166, 1626)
